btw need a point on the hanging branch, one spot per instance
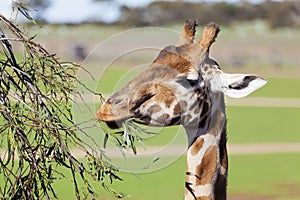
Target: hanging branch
(36, 124)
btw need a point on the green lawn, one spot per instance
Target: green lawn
(257, 124)
(272, 174)
(265, 174)
(280, 87)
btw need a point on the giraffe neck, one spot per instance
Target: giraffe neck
(206, 175)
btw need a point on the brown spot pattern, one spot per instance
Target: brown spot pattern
(196, 146)
(163, 117)
(208, 166)
(174, 61)
(177, 109)
(154, 109)
(164, 94)
(205, 198)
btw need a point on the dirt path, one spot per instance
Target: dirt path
(251, 197)
(265, 102)
(233, 149)
(263, 148)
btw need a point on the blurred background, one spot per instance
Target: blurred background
(260, 37)
(257, 32)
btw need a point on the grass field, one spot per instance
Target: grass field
(255, 125)
(274, 175)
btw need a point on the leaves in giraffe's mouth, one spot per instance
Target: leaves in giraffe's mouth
(125, 133)
(143, 120)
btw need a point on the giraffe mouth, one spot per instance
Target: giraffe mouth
(114, 124)
(136, 118)
(119, 123)
(142, 120)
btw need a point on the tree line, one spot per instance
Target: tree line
(276, 14)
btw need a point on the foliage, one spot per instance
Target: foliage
(126, 136)
(36, 124)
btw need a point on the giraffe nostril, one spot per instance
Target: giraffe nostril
(117, 102)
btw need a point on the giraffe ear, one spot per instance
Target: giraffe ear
(241, 85)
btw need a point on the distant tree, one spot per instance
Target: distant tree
(162, 12)
(283, 14)
(133, 16)
(277, 14)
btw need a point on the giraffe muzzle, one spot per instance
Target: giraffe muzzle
(113, 116)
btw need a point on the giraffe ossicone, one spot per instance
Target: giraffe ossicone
(184, 86)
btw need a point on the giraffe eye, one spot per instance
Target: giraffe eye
(192, 82)
(187, 82)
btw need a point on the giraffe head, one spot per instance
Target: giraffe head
(178, 87)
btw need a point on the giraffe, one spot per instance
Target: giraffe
(184, 86)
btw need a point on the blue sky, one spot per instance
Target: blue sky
(80, 10)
